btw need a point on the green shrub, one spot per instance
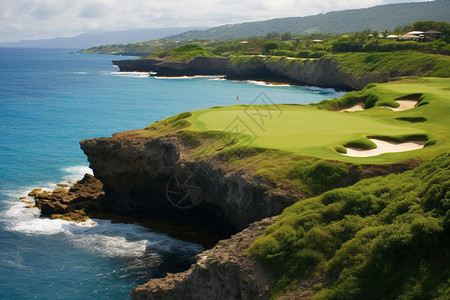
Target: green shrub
(303, 54)
(268, 47)
(182, 53)
(317, 54)
(320, 176)
(287, 53)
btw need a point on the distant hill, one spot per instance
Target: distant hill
(90, 39)
(375, 18)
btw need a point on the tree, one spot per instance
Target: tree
(269, 46)
(272, 35)
(287, 36)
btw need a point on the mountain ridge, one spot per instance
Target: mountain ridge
(379, 18)
(90, 39)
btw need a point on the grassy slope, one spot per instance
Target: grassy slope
(359, 63)
(180, 54)
(413, 62)
(383, 238)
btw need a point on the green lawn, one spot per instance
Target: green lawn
(308, 130)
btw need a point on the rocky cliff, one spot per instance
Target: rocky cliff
(324, 72)
(196, 66)
(135, 172)
(223, 272)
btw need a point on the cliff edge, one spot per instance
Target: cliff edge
(135, 172)
(323, 72)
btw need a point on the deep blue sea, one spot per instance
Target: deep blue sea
(50, 99)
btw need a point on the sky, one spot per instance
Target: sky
(42, 19)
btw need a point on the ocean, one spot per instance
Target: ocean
(50, 99)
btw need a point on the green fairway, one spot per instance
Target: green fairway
(317, 132)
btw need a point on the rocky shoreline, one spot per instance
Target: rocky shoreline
(324, 72)
(131, 174)
(75, 203)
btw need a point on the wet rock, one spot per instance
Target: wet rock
(85, 196)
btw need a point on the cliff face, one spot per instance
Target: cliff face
(323, 72)
(197, 66)
(135, 172)
(223, 272)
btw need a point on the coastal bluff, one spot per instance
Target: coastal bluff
(323, 72)
(135, 170)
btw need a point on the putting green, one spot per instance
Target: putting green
(296, 128)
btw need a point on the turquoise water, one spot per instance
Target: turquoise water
(49, 101)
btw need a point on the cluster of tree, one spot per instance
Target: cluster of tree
(181, 54)
(288, 44)
(368, 40)
(291, 45)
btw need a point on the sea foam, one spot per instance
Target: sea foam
(102, 237)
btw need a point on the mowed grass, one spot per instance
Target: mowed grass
(308, 130)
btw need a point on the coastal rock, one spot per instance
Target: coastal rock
(135, 172)
(84, 196)
(223, 272)
(196, 66)
(323, 72)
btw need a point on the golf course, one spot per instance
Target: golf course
(372, 167)
(327, 131)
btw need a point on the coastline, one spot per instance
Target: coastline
(170, 151)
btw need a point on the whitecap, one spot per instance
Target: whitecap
(173, 77)
(75, 173)
(325, 90)
(129, 74)
(102, 237)
(265, 83)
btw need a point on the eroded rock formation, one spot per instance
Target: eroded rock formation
(135, 171)
(223, 272)
(324, 72)
(71, 204)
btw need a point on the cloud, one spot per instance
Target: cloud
(95, 10)
(44, 10)
(37, 19)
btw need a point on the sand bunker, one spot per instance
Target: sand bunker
(404, 105)
(385, 147)
(357, 107)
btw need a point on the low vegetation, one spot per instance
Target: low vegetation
(180, 54)
(412, 62)
(383, 238)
